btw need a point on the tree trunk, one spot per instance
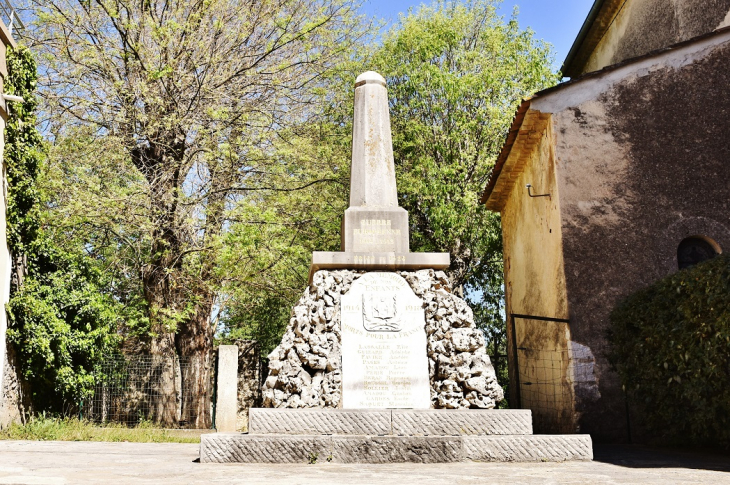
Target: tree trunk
(162, 301)
(160, 162)
(194, 342)
(163, 405)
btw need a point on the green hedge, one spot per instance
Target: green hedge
(671, 347)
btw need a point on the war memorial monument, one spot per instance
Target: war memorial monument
(381, 362)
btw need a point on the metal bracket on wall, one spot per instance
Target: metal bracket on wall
(529, 186)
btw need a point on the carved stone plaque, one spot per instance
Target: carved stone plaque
(384, 363)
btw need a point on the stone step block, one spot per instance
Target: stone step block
(399, 422)
(246, 448)
(396, 449)
(574, 447)
(461, 422)
(319, 421)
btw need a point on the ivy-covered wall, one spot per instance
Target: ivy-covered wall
(9, 382)
(61, 320)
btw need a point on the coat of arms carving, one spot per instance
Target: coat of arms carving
(380, 312)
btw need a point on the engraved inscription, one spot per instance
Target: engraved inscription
(375, 232)
(370, 259)
(384, 363)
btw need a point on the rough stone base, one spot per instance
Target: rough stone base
(245, 448)
(528, 448)
(305, 370)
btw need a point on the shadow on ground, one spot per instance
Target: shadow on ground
(637, 456)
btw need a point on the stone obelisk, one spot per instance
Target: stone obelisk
(375, 229)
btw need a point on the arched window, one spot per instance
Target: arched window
(696, 249)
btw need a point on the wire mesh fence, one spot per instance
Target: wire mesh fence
(550, 370)
(133, 390)
(547, 380)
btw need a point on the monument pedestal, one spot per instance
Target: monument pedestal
(386, 261)
(390, 436)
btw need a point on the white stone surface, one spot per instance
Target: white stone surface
(372, 174)
(226, 404)
(373, 222)
(375, 231)
(384, 362)
(396, 422)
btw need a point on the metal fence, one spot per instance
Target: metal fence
(547, 374)
(134, 390)
(547, 382)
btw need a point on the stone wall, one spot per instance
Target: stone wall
(10, 409)
(14, 392)
(249, 380)
(305, 369)
(642, 163)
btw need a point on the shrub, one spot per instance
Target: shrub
(671, 347)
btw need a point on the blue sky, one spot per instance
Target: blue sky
(555, 21)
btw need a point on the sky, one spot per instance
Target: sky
(555, 21)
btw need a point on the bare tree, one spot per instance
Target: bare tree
(191, 92)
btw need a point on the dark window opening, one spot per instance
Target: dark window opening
(694, 250)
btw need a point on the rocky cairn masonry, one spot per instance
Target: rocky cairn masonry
(380, 361)
(305, 370)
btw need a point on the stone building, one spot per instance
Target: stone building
(9, 382)
(605, 184)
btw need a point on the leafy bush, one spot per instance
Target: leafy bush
(62, 326)
(671, 347)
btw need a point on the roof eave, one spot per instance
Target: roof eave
(566, 68)
(506, 149)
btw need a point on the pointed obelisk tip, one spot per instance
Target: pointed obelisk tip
(369, 77)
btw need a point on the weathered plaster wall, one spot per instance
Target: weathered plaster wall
(535, 285)
(643, 162)
(642, 26)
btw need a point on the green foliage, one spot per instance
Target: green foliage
(23, 152)
(671, 347)
(62, 320)
(62, 324)
(264, 258)
(46, 428)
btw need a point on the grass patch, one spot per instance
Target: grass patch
(42, 428)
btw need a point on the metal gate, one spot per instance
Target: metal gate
(543, 371)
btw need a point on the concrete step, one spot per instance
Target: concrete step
(387, 422)
(249, 448)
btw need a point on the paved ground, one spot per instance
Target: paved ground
(50, 463)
